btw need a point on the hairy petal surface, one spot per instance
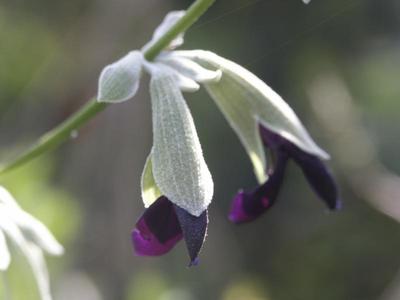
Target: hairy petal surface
(170, 20)
(179, 168)
(231, 100)
(264, 103)
(189, 68)
(120, 81)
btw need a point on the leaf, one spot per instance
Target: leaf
(179, 168)
(150, 190)
(120, 81)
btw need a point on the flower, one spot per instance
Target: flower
(177, 186)
(260, 116)
(248, 206)
(30, 236)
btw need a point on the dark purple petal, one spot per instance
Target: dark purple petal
(157, 230)
(248, 206)
(272, 140)
(317, 173)
(319, 177)
(194, 232)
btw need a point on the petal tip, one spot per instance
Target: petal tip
(194, 263)
(237, 214)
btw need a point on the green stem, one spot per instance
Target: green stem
(193, 13)
(63, 131)
(58, 135)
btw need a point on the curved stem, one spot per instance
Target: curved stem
(63, 131)
(193, 13)
(58, 135)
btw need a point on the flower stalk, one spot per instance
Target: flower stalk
(62, 132)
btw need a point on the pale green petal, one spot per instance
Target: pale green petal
(189, 68)
(186, 84)
(5, 257)
(150, 190)
(267, 106)
(179, 168)
(231, 100)
(120, 81)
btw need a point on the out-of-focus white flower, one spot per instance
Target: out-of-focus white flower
(30, 236)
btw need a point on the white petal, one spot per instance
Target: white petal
(5, 257)
(33, 254)
(170, 20)
(38, 233)
(179, 168)
(150, 190)
(190, 68)
(185, 83)
(267, 106)
(120, 81)
(32, 228)
(35, 258)
(306, 1)
(7, 199)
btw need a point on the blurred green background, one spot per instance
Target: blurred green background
(337, 63)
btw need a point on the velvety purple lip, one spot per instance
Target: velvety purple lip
(163, 225)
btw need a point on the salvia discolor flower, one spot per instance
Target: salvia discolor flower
(177, 186)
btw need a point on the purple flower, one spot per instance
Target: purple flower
(163, 225)
(247, 206)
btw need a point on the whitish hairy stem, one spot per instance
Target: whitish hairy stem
(64, 131)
